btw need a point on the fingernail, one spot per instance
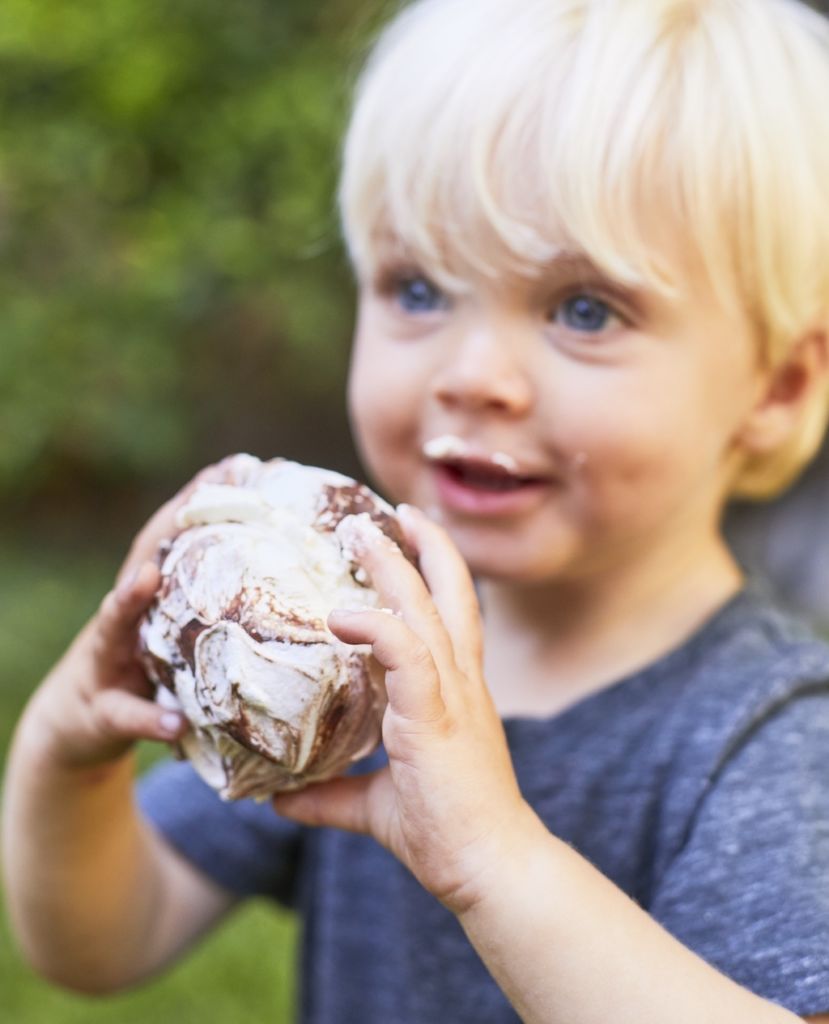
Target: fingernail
(341, 613)
(171, 723)
(406, 511)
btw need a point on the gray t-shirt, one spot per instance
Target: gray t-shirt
(700, 786)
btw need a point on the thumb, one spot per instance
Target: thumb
(338, 803)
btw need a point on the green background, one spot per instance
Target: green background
(173, 289)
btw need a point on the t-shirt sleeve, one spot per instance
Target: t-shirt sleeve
(244, 846)
(749, 891)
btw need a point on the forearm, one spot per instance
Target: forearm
(81, 882)
(568, 947)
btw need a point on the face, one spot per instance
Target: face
(557, 427)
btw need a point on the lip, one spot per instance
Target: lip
(449, 448)
(456, 496)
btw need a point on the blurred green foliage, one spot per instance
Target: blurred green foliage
(172, 284)
(172, 288)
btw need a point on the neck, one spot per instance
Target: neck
(548, 646)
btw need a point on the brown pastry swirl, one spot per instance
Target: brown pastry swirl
(237, 638)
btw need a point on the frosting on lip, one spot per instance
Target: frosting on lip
(449, 446)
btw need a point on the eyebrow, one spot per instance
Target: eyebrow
(393, 255)
(578, 265)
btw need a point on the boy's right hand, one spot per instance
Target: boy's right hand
(97, 899)
(96, 702)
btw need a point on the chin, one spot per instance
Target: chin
(499, 564)
(510, 557)
(512, 575)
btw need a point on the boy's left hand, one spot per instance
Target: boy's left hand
(448, 804)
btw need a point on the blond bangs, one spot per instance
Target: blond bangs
(488, 136)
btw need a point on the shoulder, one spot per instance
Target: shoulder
(753, 666)
(744, 883)
(744, 823)
(745, 665)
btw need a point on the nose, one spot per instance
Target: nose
(485, 367)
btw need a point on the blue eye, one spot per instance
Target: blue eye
(584, 313)
(419, 295)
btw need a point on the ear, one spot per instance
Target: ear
(786, 391)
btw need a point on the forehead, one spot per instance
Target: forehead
(515, 218)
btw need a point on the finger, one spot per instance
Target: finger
(338, 803)
(121, 716)
(450, 584)
(413, 685)
(162, 525)
(159, 528)
(399, 584)
(122, 608)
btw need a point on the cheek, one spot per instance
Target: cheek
(382, 419)
(649, 459)
(607, 420)
(379, 403)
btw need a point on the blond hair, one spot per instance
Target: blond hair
(490, 134)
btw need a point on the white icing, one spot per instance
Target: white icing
(253, 579)
(221, 503)
(505, 461)
(448, 446)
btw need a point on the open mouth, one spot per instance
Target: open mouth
(484, 476)
(482, 483)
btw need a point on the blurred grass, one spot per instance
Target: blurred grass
(245, 971)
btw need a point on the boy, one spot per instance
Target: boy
(590, 243)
